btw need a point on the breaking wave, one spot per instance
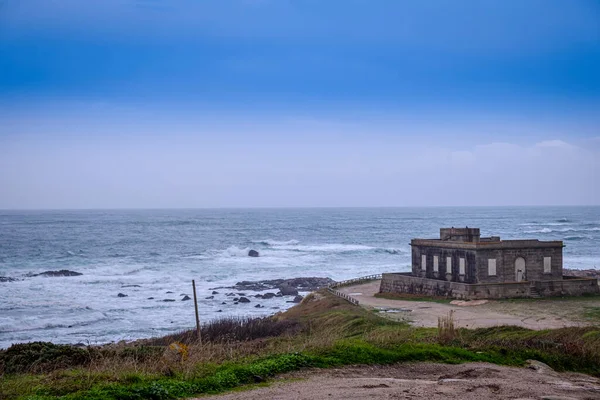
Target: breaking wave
(270, 242)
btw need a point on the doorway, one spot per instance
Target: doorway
(520, 269)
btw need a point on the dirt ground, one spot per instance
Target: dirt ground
(529, 313)
(471, 381)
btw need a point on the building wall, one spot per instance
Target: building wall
(445, 272)
(477, 263)
(405, 283)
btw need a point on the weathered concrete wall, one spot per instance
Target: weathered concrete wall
(445, 272)
(477, 257)
(405, 283)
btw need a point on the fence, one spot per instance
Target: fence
(362, 279)
(355, 281)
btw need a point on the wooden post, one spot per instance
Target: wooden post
(197, 318)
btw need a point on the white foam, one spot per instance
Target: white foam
(271, 242)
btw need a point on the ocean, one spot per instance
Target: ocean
(149, 253)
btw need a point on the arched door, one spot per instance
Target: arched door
(520, 269)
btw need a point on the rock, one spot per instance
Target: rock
(124, 286)
(121, 295)
(6, 279)
(306, 284)
(210, 297)
(241, 294)
(168, 300)
(62, 272)
(297, 299)
(230, 294)
(186, 298)
(219, 310)
(150, 298)
(223, 303)
(169, 292)
(288, 290)
(268, 295)
(540, 367)
(258, 296)
(582, 273)
(244, 300)
(258, 306)
(215, 292)
(235, 302)
(236, 299)
(253, 253)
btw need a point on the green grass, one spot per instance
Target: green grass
(334, 333)
(409, 297)
(592, 313)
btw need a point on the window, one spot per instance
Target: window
(436, 264)
(448, 265)
(547, 265)
(424, 262)
(461, 266)
(492, 267)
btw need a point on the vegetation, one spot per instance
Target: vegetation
(323, 331)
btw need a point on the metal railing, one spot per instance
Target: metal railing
(343, 296)
(355, 281)
(348, 282)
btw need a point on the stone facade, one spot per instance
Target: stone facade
(461, 255)
(462, 264)
(406, 283)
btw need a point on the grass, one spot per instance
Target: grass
(324, 331)
(592, 313)
(413, 297)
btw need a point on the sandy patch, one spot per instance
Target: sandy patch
(532, 314)
(473, 381)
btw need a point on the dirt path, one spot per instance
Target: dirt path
(532, 314)
(472, 381)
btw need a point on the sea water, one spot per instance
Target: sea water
(149, 253)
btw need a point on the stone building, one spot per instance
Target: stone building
(463, 264)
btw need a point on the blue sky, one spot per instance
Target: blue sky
(198, 103)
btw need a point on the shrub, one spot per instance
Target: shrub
(42, 357)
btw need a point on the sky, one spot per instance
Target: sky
(298, 103)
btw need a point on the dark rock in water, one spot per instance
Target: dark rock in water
(298, 299)
(184, 294)
(62, 272)
(168, 300)
(219, 310)
(582, 273)
(122, 295)
(6, 279)
(258, 296)
(307, 284)
(210, 297)
(288, 290)
(274, 308)
(235, 302)
(150, 298)
(244, 300)
(241, 294)
(124, 286)
(236, 299)
(230, 294)
(278, 294)
(169, 292)
(253, 253)
(215, 292)
(268, 295)
(185, 298)
(223, 303)
(258, 306)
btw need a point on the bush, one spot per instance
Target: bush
(42, 357)
(233, 329)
